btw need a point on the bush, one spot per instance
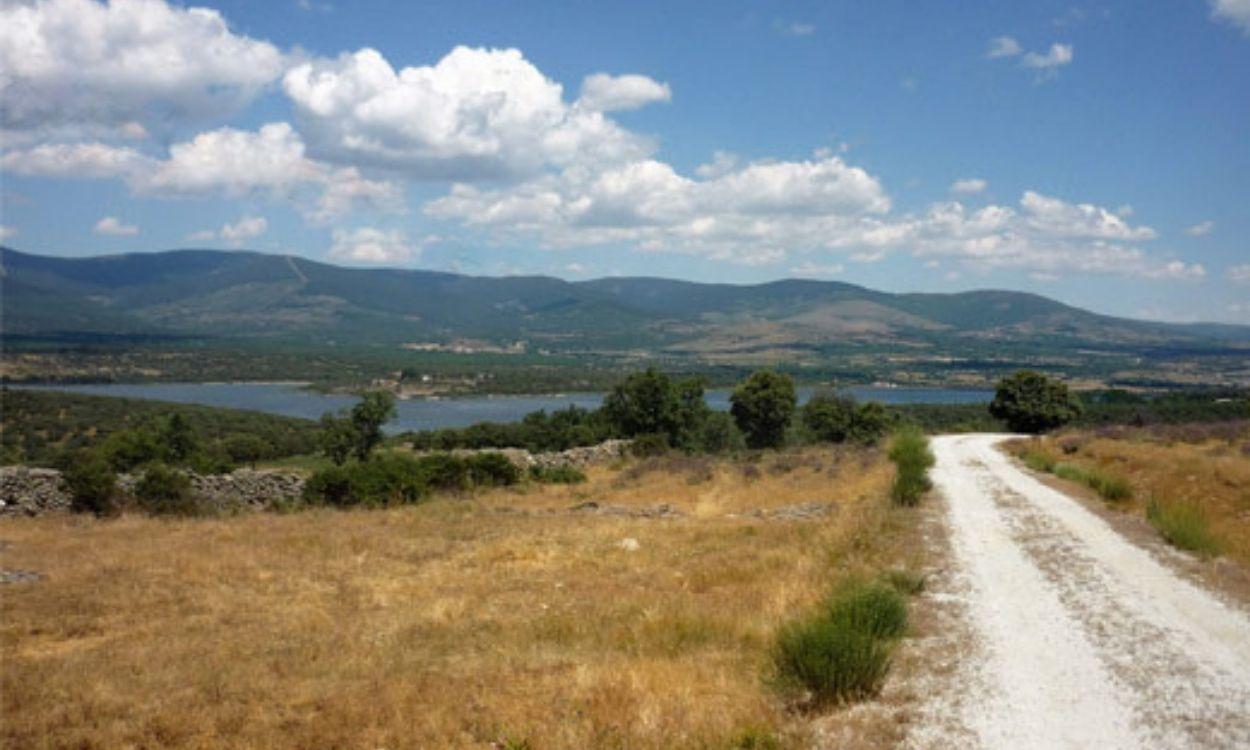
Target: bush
(91, 482)
(165, 491)
(557, 474)
(329, 486)
(127, 449)
(719, 434)
(873, 608)
(912, 459)
(492, 470)
(763, 407)
(904, 581)
(245, 449)
(831, 659)
(1184, 526)
(835, 419)
(646, 446)
(1031, 402)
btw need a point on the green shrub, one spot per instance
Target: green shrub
(873, 608)
(443, 471)
(912, 458)
(1183, 525)
(557, 474)
(649, 445)
(329, 486)
(1112, 488)
(831, 660)
(719, 434)
(830, 418)
(491, 470)
(165, 491)
(91, 482)
(1029, 401)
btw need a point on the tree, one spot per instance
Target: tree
(762, 407)
(1029, 401)
(360, 431)
(246, 449)
(178, 439)
(126, 449)
(827, 417)
(644, 403)
(375, 409)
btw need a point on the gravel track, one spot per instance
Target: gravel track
(1069, 635)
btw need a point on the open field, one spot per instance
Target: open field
(1203, 468)
(462, 622)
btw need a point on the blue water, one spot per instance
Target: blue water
(424, 414)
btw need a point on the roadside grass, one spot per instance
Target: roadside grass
(909, 450)
(1183, 525)
(1191, 482)
(499, 618)
(1112, 488)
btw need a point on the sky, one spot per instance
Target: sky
(1097, 153)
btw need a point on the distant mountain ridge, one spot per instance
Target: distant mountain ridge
(247, 295)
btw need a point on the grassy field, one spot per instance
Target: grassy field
(489, 621)
(1191, 481)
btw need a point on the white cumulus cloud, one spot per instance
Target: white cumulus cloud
(969, 186)
(77, 160)
(111, 226)
(86, 66)
(369, 245)
(1057, 56)
(1003, 46)
(606, 93)
(1236, 12)
(475, 114)
(246, 228)
(1201, 229)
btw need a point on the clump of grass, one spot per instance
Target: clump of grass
(557, 474)
(1183, 525)
(904, 581)
(913, 459)
(831, 660)
(1038, 460)
(1112, 488)
(842, 652)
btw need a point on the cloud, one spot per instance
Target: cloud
(794, 28)
(604, 93)
(1003, 46)
(368, 245)
(235, 162)
(81, 66)
(1236, 12)
(816, 269)
(112, 227)
(7, 232)
(745, 214)
(970, 186)
(1201, 229)
(77, 160)
(1239, 274)
(1057, 56)
(475, 114)
(246, 228)
(1059, 218)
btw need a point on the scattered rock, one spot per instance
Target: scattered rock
(629, 544)
(662, 510)
(28, 491)
(800, 512)
(18, 576)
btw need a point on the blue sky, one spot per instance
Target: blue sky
(1098, 153)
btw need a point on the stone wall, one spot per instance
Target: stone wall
(577, 458)
(29, 491)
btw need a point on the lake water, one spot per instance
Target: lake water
(419, 414)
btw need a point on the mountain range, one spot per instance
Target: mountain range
(239, 295)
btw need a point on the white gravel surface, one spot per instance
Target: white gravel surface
(1067, 634)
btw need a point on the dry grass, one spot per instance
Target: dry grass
(1205, 470)
(459, 623)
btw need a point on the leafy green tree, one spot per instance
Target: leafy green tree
(762, 407)
(869, 423)
(126, 449)
(1029, 401)
(164, 490)
(245, 449)
(828, 417)
(337, 438)
(719, 434)
(177, 439)
(375, 409)
(644, 403)
(91, 482)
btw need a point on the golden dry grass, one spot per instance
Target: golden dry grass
(458, 623)
(1212, 474)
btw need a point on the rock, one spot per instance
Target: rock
(28, 491)
(18, 576)
(576, 458)
(629, 544)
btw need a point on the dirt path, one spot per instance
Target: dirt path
(1066, 634)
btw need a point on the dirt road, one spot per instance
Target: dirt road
(1064, 634)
